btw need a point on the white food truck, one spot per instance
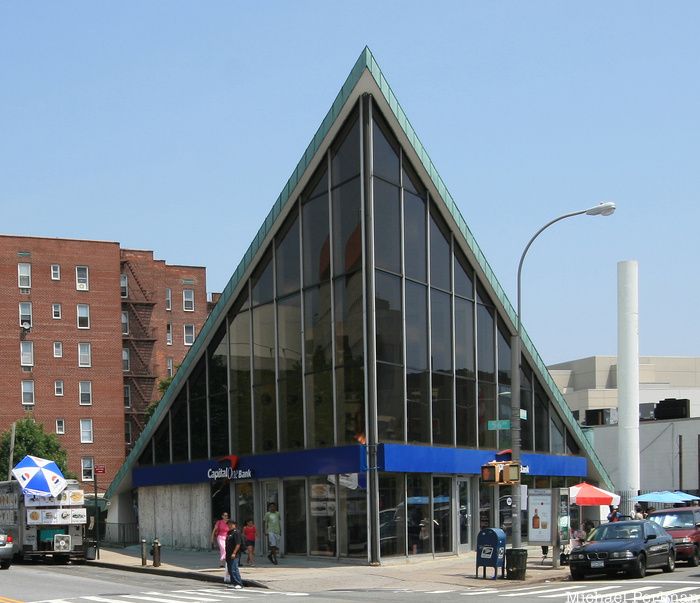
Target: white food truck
(45, 526)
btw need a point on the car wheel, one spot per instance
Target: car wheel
(671, 565)
(576, 574)
(640, 567)
(5, 565)
(694, 560)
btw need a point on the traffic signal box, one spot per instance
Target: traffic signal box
(506, 472)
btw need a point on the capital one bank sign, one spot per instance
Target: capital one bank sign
(231, 472)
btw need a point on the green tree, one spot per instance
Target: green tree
(30, 438)
(163, 385)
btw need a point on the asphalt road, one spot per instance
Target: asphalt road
(37, 583)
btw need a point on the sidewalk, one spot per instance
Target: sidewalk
(304, 574)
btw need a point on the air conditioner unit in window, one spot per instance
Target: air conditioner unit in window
(61, 543)
(82, 287)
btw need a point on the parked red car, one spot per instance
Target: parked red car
(683, 523)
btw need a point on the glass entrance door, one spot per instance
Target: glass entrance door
(270, 494)
(464, 515)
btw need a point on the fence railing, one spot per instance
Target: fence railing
(121, 534)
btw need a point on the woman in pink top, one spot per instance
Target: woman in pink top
(218, 535)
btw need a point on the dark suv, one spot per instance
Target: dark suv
(683, 523)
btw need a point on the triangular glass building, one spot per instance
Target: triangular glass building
(356, 369)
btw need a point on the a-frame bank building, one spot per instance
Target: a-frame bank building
(353, 369)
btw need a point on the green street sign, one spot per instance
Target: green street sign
(498, 425)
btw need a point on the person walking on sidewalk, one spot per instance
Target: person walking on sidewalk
(234, 546)
(249, 532)
(273, 531)
(218, 536)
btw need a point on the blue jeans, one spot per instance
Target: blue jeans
(233, 570)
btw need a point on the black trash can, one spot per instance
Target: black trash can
(516, 564)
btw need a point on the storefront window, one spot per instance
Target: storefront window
(390, 402)
(245, 505)
(418, 406)
(442, 514)
(418, 515)
(322, 514)
(294, 522)
(487, 412)
(350, 401)
(392, 515)
(351, 517)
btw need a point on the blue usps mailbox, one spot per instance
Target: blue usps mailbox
(491, 551)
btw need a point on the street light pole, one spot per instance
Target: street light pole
(603, 209)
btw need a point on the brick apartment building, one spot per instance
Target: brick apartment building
(88, 330)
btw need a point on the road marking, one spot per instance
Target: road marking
(542, 590)
(576, 593)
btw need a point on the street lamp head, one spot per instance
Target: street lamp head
(602, 209)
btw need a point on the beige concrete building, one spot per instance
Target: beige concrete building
(589, 386)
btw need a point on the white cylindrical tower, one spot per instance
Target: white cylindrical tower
(628, 380)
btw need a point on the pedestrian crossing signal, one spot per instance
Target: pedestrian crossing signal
(500, 473)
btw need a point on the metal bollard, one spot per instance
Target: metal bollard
(144, 552)
(156, 553)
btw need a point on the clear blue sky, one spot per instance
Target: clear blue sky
(173, 126)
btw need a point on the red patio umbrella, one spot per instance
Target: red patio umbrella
(584, 494)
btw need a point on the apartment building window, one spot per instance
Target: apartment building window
(58, 387)
(188, 300)
(127, 396)
(124, 285)
(28, 393)
(83, 311)
(86, 431)
(25, 315)
(189, 334)
(125, 323)
(169, 364)
(87, 468)
(127, 432)
(57, 349)
(169, 333)
(55, 272)
(126, 359)
(168, 299)
(82, 282)
(24, 276)
(56, 311)
(60, 426)
(85, 389)
(26, 353)
(84, 354)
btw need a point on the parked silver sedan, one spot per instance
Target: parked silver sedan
(6, 550)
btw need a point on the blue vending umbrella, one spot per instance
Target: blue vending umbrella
(39, 476)
(686, 497)
(663, 496)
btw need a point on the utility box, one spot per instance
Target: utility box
(491, 551)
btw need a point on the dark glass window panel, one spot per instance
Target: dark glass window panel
(239, 375)
(146, 458)
(526, 424)
(418, 513)
(415, 233)
(390, 403)
(482, 297)
(350, 404)
(198, 411)
(388, 316)
(217, 353)
(319, 409)
(441, 331)
(443, 409)
(558, 433)
(410, 180)
(571, 446)
(345, 154)
(466, 412)
(352, 533)
(442, 514)
(265, 422)
(263, 343)
(322, 519)
(464, 338)
(161, 442)
(385, 159)
(387, 226)
(294, 521)
(392, 515)
(318, 185)
(418, 406)
(263, 285)
(541, 419)
(440, 255)
(486, 353)
(504, 359)
(464, 285)
(287, 256)
(349, 325)
(347, 227)
(487, 412)
(291, 412)
(317, 328)
(178, 421)
(416, 326)
(289, 336)
(504, 412)
(316, 241)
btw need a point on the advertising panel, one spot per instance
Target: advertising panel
(539, 521)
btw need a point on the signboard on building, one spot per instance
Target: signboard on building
(539, 516)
